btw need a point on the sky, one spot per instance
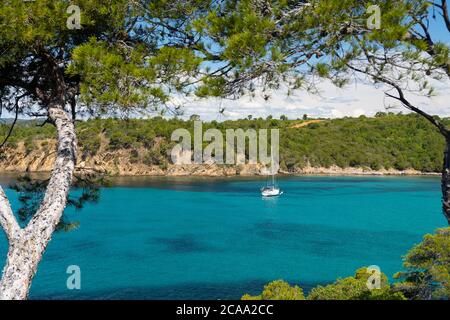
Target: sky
(331, 102)
(354, 100)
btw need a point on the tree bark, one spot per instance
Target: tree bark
(446, 181)
(26, 246)
(7, 219)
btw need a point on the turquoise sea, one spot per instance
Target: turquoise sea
(181, 238)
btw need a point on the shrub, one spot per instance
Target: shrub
(120, 140)
(355, 288)
(278, 290)
(427, 274)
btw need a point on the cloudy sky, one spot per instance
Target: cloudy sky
(354, 100)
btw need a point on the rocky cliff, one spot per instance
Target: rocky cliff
(130, 163)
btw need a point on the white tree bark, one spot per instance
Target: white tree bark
(27, 245)
(7, 219)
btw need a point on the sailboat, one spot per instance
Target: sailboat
(271, 190)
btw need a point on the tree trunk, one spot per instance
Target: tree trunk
(27, 245)
(446, 181)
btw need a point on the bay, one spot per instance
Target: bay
(205, 238)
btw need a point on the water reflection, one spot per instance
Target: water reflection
(270, 202)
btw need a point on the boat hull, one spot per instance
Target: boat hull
(271, 193)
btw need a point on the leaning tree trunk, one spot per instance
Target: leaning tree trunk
(446, 181)
(26, 246)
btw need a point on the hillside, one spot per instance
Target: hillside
(386, 143)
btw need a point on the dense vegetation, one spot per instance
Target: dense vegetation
(427, 276)
(350, 288)
(384, 141)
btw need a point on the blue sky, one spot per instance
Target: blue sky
(354, 100)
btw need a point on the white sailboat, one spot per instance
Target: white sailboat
(271, 190)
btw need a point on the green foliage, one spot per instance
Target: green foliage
(89, 139)
(100, 66)
(28, 144)
(26, 131)
(351, 288)
(385, 141)
(120, 140)
(355, 288)
(120, 59)
(153, 157)
(391, 141)
(284, 41)
(427, 276)
(130, 55)
(85, 189)
(427, 266)
(278, 290)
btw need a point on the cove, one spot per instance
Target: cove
(181, 238)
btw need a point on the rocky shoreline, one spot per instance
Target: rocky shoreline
(121, 163)
(228, 171)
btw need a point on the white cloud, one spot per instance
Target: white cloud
(332, 102)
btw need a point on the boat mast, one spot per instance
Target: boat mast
(272, 167)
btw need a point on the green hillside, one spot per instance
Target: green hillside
(385, 141)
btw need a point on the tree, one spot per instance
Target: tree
(390, 42)
(427, 276)
(59, 62)
(355, 288)
(427, 264)
(98, 58)
(278, 290)
(350, 288)
(129, 57)
(406, 56)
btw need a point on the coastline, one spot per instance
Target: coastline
(225, 171)
(123, 163)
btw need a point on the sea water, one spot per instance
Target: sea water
(181, 238)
